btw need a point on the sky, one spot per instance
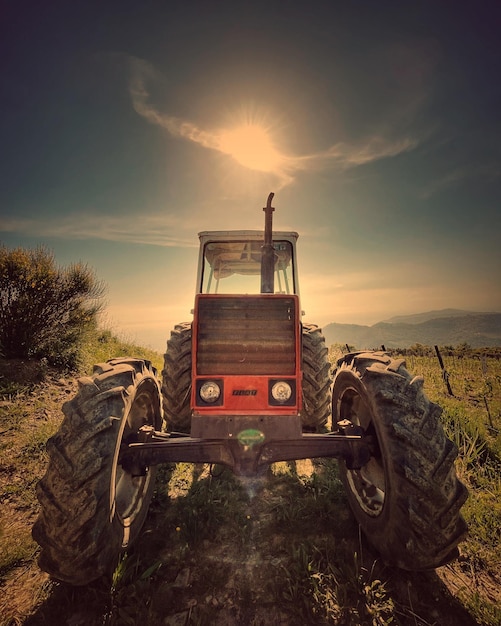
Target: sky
(128, 127)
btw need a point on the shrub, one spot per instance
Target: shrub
(45, 309)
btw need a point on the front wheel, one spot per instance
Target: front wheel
(316, 380)
(407, 498)
(176, 379)
(91, 508)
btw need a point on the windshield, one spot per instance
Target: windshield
(235, 267)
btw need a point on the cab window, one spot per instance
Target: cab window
(235, 267)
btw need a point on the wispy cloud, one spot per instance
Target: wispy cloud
(339, 156)
(141, 73)
(148, 229)
(460, 175)
(345, 155)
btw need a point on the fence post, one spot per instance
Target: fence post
(488, 413)
(445, 373)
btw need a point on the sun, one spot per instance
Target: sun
(251, 146)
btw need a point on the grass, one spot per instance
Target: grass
(279, 549)
(102, 345)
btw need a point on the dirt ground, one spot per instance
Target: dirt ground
(420, 598)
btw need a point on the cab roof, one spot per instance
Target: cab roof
(242, 235)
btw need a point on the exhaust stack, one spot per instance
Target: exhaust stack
(268, 253)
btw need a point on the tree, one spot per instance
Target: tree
(418, 349)
(44, 309)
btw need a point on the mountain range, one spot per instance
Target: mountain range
(448, 327)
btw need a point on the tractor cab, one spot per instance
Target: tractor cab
(230, 262)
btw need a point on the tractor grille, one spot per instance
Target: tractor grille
(246, 335)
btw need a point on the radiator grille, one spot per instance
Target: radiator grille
(246, 335)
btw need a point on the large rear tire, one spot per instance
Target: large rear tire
(407, 498)
(316, 380)
(176, 379)
(91, 508)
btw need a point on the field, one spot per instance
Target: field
(282, 549)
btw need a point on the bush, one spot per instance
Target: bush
(44, 309)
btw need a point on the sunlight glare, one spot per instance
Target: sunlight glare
(251, 146)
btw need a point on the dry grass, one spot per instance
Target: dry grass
(281, 549)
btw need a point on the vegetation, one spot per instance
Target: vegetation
(45, 310)
(100, 345)
(279, 549)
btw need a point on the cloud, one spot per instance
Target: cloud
(486, 172)
(151, 229)
(141, 72)
(345, 156)
(338, 157)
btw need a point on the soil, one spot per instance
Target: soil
(218, 580)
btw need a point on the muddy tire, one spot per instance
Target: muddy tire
(407, 499)
(316, 380)
(91, 508)
(176, 380)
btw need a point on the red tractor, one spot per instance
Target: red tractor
(245, 385)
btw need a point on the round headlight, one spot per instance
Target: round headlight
(210, 391)
(281, 391)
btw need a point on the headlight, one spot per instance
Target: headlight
(210, 392)
(281, 391)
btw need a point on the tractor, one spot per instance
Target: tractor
(246, 384)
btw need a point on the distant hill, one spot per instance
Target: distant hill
(419, 318)
(447, 327)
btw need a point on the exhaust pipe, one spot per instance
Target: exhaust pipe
(268, 252)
